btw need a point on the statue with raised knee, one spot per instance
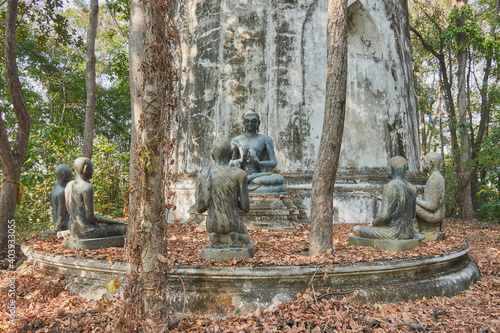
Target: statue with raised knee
(395, 221)
(222, 190)
(254, 153)
(88, 230)
(431, 209)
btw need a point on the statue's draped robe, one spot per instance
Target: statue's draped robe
(79, 225)
(217, 190)
(396, 216)
(57, 191)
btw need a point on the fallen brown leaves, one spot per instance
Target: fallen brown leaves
(272, 248)
(43, 304)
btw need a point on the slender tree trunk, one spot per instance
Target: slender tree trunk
(423, 132)
(88, 135)
(482, 131)
(12, 159)
(449, 101)
(333, 127)
(464, 177)
(51, 104)
(441, 135)
(152, 83)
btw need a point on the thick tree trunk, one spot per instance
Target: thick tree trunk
(152, 79)
(88, 135)
(464, 177)
(12, 159)
(333, 127)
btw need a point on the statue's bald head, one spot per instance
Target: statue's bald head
(63, 173)
(397, 166)
(435, 158)
(221, 150)
(84, 167)
(432, 161)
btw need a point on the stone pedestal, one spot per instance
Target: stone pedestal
(432, 231)
(94, 243)
(48, 234)
(433, 236)
(385, 244)
(272, 212)
(208, 253)
(63, 234)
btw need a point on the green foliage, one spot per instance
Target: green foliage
(110, 180)
(436, 22)
(488, 204)
(51, 60)
(451, 199)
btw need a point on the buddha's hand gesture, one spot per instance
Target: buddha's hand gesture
(245, 156)
(254, 160)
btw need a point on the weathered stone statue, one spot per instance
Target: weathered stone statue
(222, 189)
(84, 225)
(431, 210)
(395, 221)
(254, 153)
(60, 216)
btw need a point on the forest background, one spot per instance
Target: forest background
(455, 51)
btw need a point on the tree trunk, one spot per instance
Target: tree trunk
(441, 135)
(482, 131)
(152, 83)
(333, 127)
(464, 177)
(88, 135)
(12, 159)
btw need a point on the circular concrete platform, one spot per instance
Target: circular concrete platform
(230, 291)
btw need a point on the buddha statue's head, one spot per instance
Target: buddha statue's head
(396, 167)
(251, 121)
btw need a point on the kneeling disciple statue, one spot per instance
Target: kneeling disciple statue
(222, 189)
(393, 228)
(87, 230)
(254, 153)
(430, 210)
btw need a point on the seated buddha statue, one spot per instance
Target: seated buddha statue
(254, 153)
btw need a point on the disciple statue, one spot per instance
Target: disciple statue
(430, 210)
(222, 189)
(60, 216)
(254, 153)
(83, 223)
(395, 220)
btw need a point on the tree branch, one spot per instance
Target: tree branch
(15, 90)
(422, 40)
